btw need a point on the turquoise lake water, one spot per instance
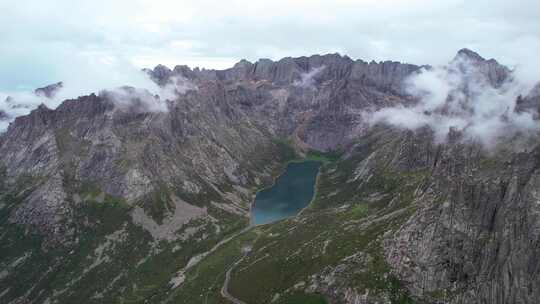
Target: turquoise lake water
(292, 192)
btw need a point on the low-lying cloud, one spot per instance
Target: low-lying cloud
(140, 100)
(177, 85)
(307, 80)
(460, 96)
(122, 83)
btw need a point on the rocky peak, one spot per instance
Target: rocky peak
(42, 107)
(42, 112)
(472, 55)
(49, 91)
(160, 74)
(32, 125)
(162, 70)
(472, 63)
(184, 71)
(243, 64)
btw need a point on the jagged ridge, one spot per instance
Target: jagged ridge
(178, 181)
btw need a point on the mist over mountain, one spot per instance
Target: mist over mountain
(138, 188)
(470, 95)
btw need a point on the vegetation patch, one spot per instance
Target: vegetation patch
(285, 149)
(359, 210)
(158, 203)
(324, 157)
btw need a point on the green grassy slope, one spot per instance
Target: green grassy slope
(338, 237)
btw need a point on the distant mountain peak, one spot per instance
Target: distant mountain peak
(474, 56)
(470, 54)
(494, 72)
(43, 107)
(243, 63)
(49, 91)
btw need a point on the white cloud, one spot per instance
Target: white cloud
(136, 99)
(459, 96)
(307, 80)
(124, 84)
(38, 36)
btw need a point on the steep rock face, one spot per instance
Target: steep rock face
(475, 236)
(29, 147)
(319, 98)
(126, 153)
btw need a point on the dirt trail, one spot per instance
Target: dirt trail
(178, 280)
(225, 289)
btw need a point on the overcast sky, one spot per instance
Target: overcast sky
(47, 41)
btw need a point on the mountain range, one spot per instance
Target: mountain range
(126, 196)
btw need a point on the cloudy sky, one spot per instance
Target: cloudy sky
(47, 41)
